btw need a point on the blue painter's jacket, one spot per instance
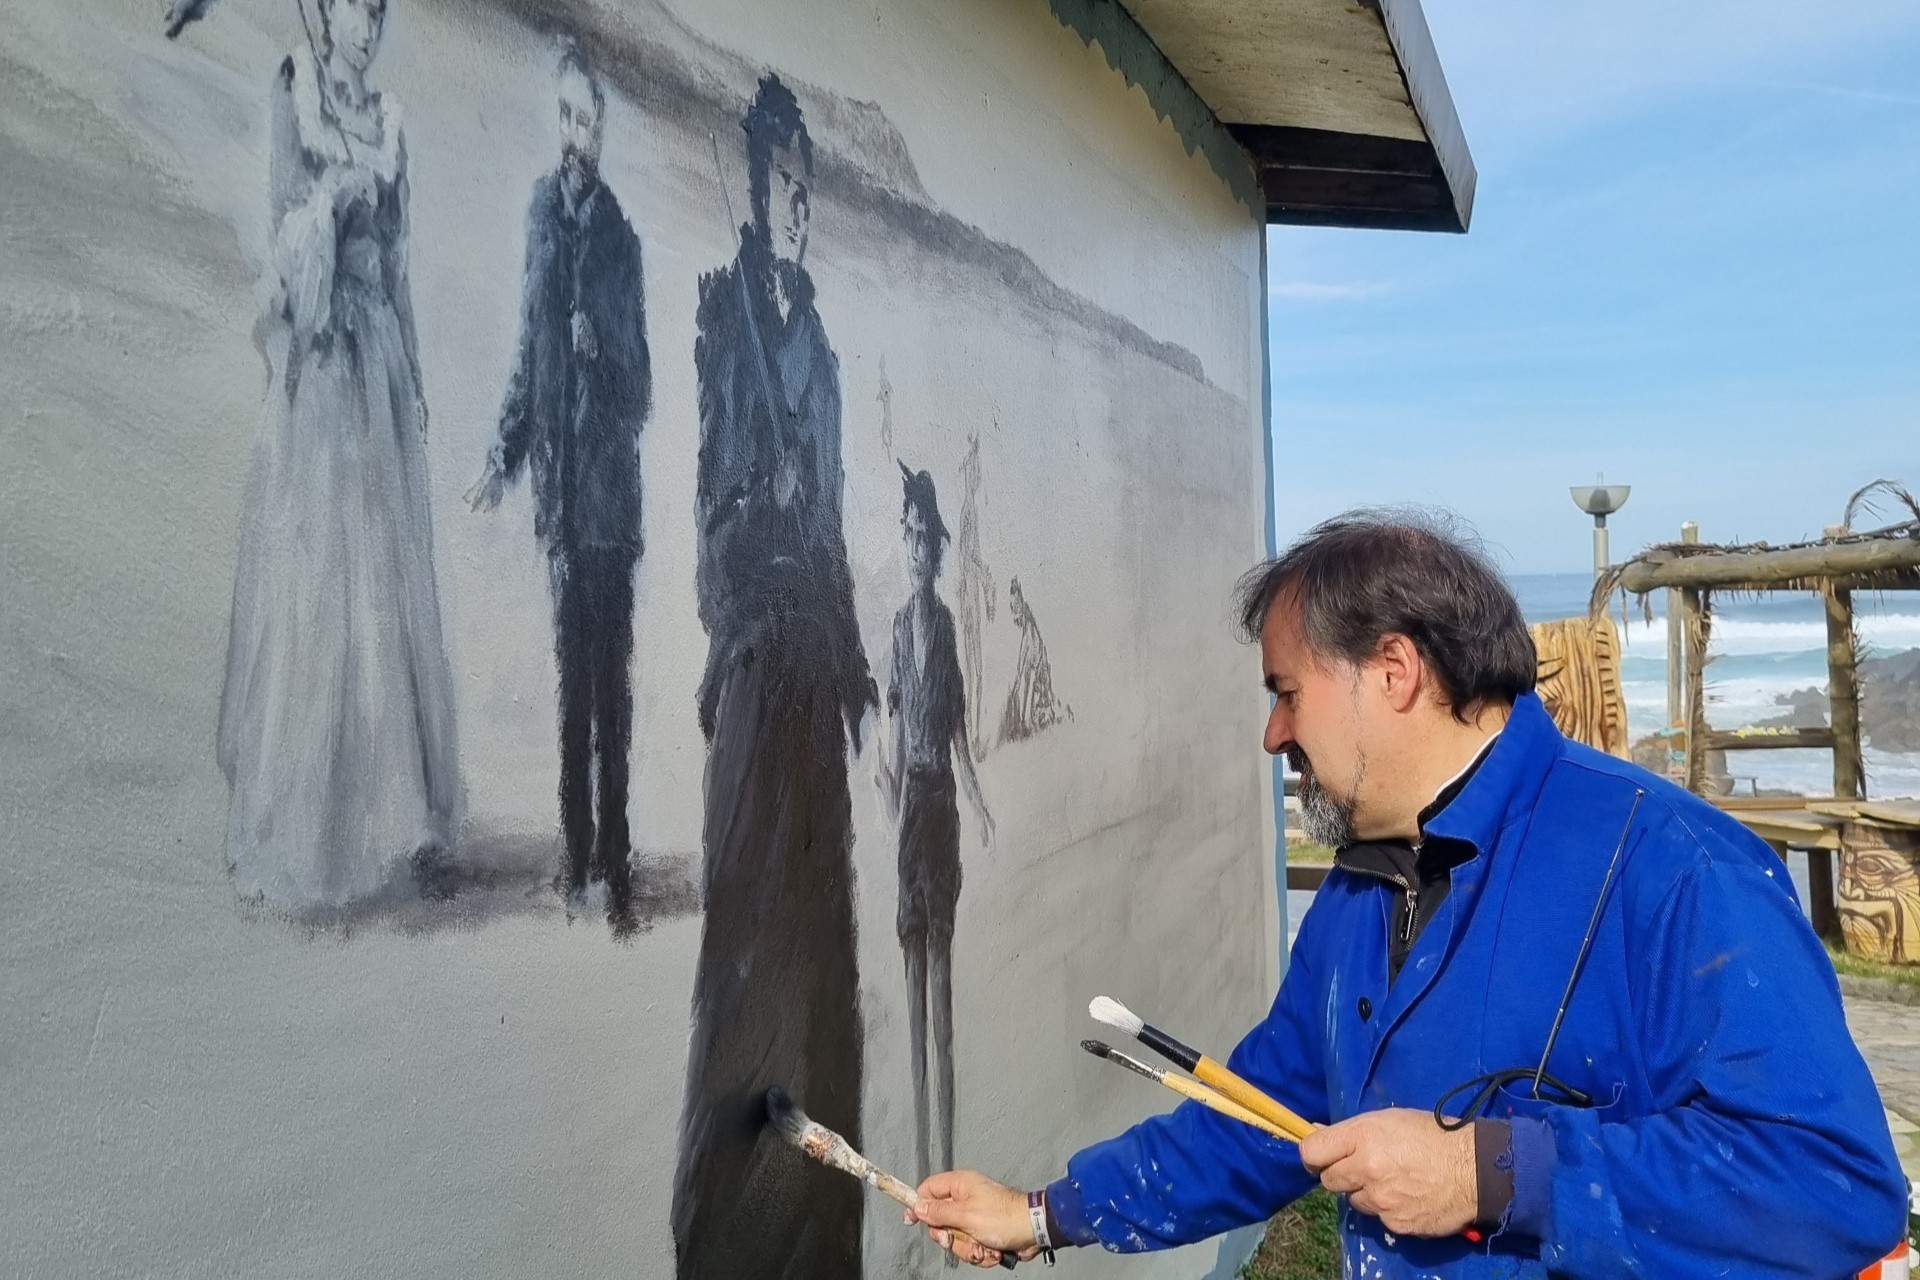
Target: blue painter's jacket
(1735, 1132)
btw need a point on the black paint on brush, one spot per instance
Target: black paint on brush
(1167, 1047)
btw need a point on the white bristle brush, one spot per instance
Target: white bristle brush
(1209, 1071)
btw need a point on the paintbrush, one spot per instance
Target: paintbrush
(1186, 1088)
(829, 1148)
(1207, 1070)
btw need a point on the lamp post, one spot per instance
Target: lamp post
(1600, 500)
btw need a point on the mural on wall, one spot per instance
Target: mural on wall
(1879, 897)
(976, 593)
(785, 692)
(578, 396)
(926, 701)
(336, 729)
(1031, 704)
(553, 221)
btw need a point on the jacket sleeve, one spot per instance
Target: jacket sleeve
(1194, 1173)
(516, 413)
(632, 359)
(1768, 1151)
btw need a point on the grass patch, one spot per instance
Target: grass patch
(1309, 855)
(1854, 966)
(1302, 1243)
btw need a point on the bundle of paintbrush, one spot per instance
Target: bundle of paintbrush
(1214, 1085)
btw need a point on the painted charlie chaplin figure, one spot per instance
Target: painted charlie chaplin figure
(926, 698)
(776, 993)
(579, 395)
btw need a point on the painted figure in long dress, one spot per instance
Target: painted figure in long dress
(337, 720)
(928, 706)
(776, 996)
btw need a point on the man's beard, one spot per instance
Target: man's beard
(1323, 819)
(578, 166)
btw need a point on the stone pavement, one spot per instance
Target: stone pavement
(1889, 1038)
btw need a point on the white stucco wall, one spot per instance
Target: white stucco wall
(198, 1087)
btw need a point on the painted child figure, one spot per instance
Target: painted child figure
(926, 699)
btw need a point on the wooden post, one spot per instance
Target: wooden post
(1676, 646)
(1822, 911)
(1843, 696)
(1843, 691)
(1694, 621)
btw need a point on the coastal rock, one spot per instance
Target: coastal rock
(1889, 703)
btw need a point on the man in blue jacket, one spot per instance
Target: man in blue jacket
(1553, 1015)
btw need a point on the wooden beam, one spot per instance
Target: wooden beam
(1736, 569)
(1676, 646)
(1769, 739)
(1321, 177)
(1432, 103)
(1300, 876)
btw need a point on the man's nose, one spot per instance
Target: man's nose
(1279, 735)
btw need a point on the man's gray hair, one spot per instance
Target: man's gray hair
(1374, 572)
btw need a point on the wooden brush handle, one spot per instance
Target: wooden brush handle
(1251, 1098)
(851, 1161)
(1224, 1105)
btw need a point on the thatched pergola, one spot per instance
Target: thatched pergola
(1843, 562)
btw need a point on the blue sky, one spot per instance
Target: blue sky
(1694, 264)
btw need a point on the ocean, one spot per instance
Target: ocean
(1760, 649)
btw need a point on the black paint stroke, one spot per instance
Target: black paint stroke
(776, 993)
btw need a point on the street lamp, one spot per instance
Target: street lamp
(1600, 500)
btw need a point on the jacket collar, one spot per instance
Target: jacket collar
(1507, 781)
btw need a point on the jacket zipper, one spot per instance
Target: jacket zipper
(1411, 893)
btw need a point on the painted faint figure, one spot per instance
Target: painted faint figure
(1031, 704)
(337, 719)
(976, 593)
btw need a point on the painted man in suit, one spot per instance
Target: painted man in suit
(776, 994)
(580, 392)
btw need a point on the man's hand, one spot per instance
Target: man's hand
(486, 492)
(1401, 1167)
(993, 1215)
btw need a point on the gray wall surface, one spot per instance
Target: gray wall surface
(456, 1073)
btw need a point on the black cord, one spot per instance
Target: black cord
(1488, 1087)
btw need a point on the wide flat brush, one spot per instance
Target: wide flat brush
(1186, 1088)
(829, 1148)
(1208, 1070)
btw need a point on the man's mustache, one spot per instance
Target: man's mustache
(1298, 762)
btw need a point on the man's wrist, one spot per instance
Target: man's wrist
(1492, 1172)
(1066, 1217)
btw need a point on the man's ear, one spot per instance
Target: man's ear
(1401, 671)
